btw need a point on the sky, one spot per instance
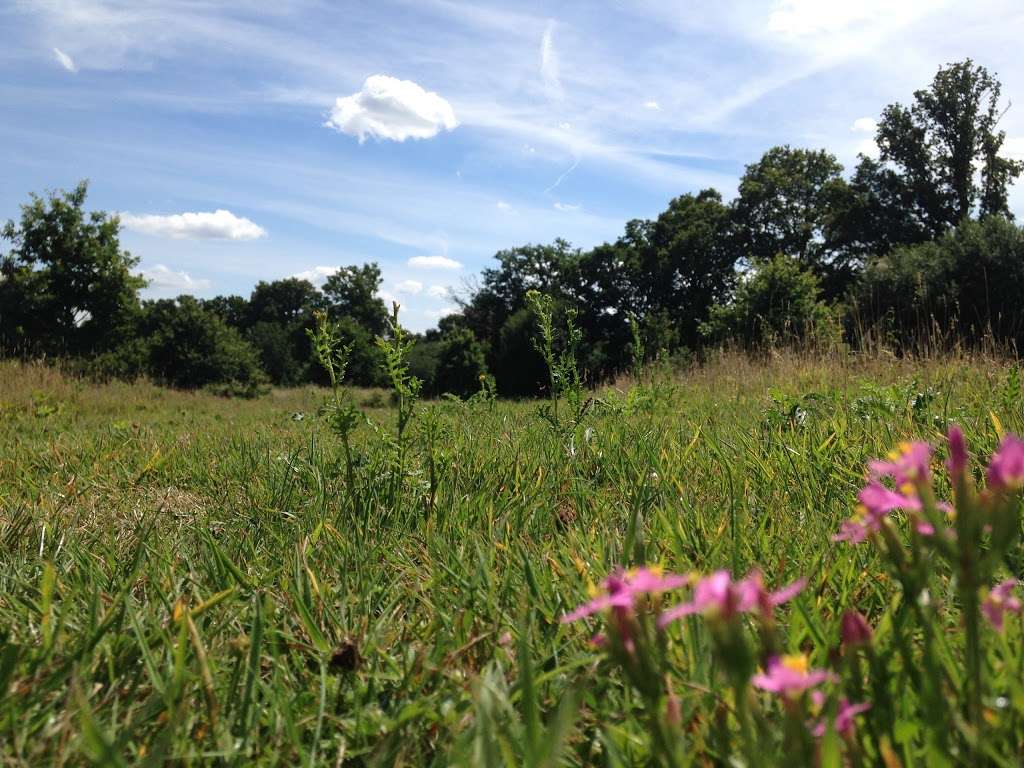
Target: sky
(253, 141)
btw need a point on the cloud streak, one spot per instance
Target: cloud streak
(64, 60)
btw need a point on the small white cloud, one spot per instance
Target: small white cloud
(437, 314)
(163, 279)
(433, 262)
(567, 207)
(565, 126)
(652, 105)
(409, 286)
(439, 291)
(549, 63)
(864, 125)
(218, 225)
(1013, 148)
(868, 148)
(505, 207)
(389, 108)
(65, 61)
(317, 275)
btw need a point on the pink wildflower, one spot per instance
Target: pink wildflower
(844, 717)
(718, 595)
(998, 601)
(854, 629)
(622, 588)
(956, 464)
(1006, 467)
(908, 464)
(877, 501)
(789, 676)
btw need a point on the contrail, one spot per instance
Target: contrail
(562, 177)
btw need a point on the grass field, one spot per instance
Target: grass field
(194, 579)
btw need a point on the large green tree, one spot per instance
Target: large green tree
(351, 292)
(783, 205)
(947, 146)
(66, 286)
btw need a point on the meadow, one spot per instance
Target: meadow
(192, 579)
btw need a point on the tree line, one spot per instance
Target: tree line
(916, 241)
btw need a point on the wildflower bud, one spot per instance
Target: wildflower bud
(854, 630)
(673, 710)
(957, 461)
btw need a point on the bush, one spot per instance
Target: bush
(778, 303)
(970, 280)
(192, 347)
(461, 363)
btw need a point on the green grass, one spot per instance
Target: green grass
(183, 577)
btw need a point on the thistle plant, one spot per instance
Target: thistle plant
(564, 379)
(340, 411)
(405, 388)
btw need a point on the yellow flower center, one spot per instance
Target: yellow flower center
(796, 663)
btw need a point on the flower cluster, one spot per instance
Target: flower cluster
(973, 533)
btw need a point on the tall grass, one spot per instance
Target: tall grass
(187, 578)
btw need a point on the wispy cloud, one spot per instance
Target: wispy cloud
(549, 63)
(216, 225)
(389, 108)
(566, 207)
(64, 60)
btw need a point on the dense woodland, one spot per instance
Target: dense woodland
(914, 246)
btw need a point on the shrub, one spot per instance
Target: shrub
(191, 347)
(778, 302)
(461, 362)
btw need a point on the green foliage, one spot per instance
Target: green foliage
(66, 287)
(561, 359)
(351, 292)
(970, 280)
(783, 203)
(939, 141)
(777, 304)
(184, 575)
(189, 346)
(461, 363)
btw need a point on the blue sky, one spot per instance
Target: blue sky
(251, 140)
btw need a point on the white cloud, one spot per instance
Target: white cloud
(505, 207)
(438, 291)
(549, 63)
(864, 125)
(163, 279)
(389, 108)
(868, 148)
(317, 275)
(566, 207)
(805, 18)
(433, 262)
(1013, 148)
(218, 225)
(652, 105)
(409, 286)
(437, 314)
(65, 61)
